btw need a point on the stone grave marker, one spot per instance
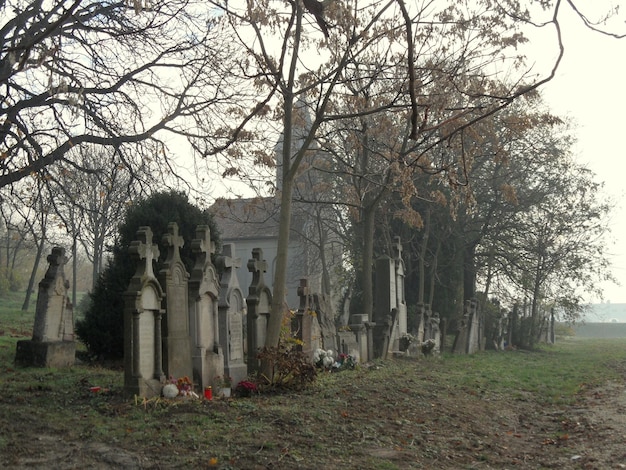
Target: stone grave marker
(259, 303)
(174, 279)
(52, 344)
(385, 311)
(474, 335)
(143, 360)
(207, 357)
(359, 329)
(401, 324)
(231, 315)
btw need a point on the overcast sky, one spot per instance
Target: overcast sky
(590, 87)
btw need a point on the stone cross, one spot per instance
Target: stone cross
(227, 262)
(258, 301)
(173, 241)
(397, 248)
(257, 266)
(143, 248)
(202, 246)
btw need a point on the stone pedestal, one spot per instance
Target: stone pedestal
(55, 354)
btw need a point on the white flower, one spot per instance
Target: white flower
(170, 390)
(318, 354)
(328, 361)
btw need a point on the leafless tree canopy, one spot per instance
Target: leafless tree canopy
(117, 74)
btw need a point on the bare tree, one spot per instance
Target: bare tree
(119, 74)
(91, 204)
(288, 55)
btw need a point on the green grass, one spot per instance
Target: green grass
(554, 374)
(367, 406)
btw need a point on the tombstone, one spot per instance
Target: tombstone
(207, 359)
(426, 316)
(359, 330)
(174, 279)
(259, 302)
(309, 330)
(297, 325)
(435, 332)
(347, 344)
(143, 361)
(474, 336)
(52, 344)
(421, 313)
(321, 305)
(231, 308)
(400, 294)
(385, 311)
(461, 339)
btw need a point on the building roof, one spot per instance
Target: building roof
(246, 218)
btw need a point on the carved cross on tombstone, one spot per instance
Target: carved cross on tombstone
(226, 262)
(397, 248)
(143, 248)
(257, 266)
(173, 241)
(202, 246)
(304, 292)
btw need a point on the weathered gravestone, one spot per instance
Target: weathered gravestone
(358, 327)
(52, 344)
(469, 337)
(421, 323)
(400, 327)
(174, 279)
(143, 361)
(308, 327)
(231, 315)
(207, 356)
(259, 303)
(435, 332)
(385, 311)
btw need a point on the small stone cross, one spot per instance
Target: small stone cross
(143, 248)
(397, 248)
(202, 243)
(173, 241)
(228, 257)
(303, 292)
(257, 266)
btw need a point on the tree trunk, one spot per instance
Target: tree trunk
(469, 272)
(33, 274)
(369, 217)
(422, 259)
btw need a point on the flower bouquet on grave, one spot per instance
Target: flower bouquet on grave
(245, 388)
(185, 387)
(323, 359)
(345, 362)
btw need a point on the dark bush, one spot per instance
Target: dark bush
(101, 328)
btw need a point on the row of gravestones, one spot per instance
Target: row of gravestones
(179, 324)
(367, 339)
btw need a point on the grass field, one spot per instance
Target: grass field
(489, 410)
